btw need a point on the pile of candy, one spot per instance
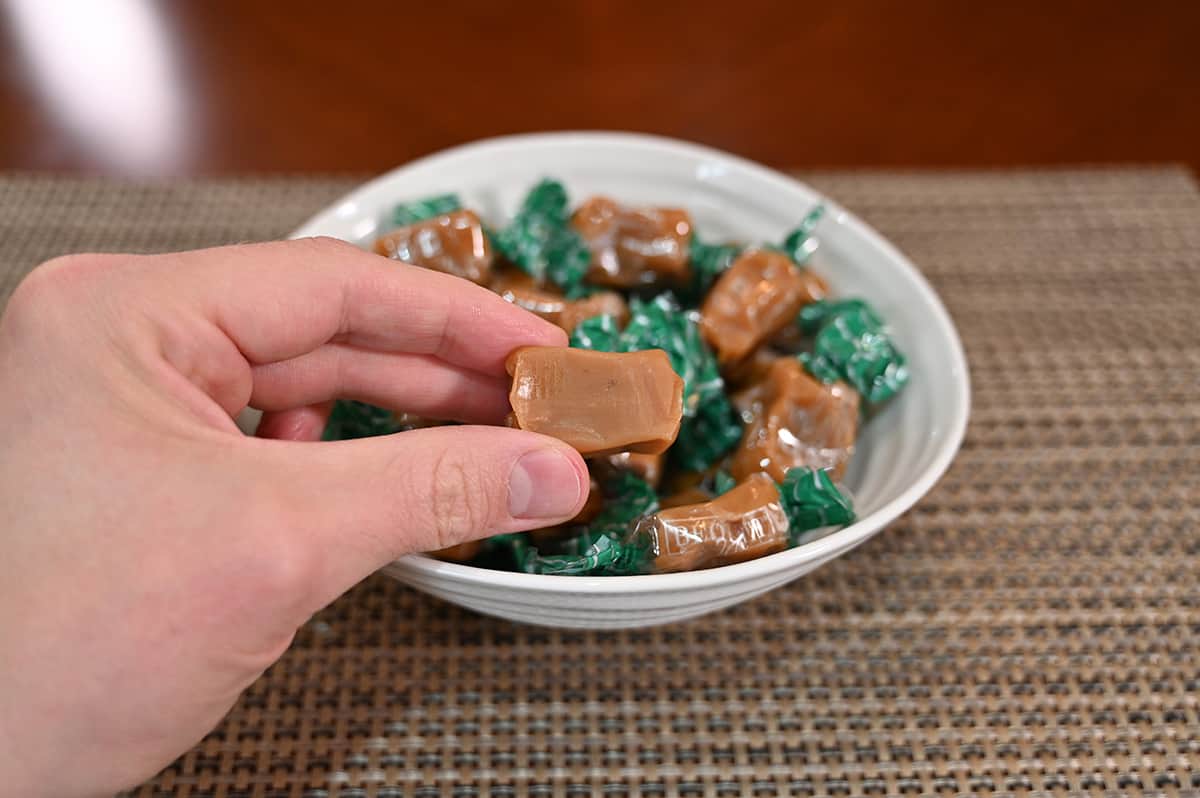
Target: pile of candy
(725, 444)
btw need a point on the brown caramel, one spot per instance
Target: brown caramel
(524, 292)
(759, 295)
(453, 243)
(548, 535)
(746, 523)
(633, 246)
(795, 420)
(593, 505)
(684, 497)
(598, 402)
(752, 370)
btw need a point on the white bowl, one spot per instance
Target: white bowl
(901, 453)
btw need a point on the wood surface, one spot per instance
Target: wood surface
(132, 87)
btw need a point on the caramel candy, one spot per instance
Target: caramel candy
(647, 466)
(633, 246)
(796, 420)
(743, 524)
(524, 292)
(759, 295)
(678, 481)
(593, 505)
(597, 402)
(791, 340)
(463, 552)
(549, 534)
(752, 370)
(453, 243)
(683, 497)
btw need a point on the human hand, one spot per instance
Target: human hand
(154, 559)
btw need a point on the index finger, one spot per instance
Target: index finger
(282, 299)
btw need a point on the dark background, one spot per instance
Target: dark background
(134, 87)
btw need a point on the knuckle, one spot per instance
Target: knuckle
(460, 502)
(277, 552)
(326, 245)
(52, 285)
(286, 570)
(40, 287)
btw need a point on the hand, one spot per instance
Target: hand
(153, 559)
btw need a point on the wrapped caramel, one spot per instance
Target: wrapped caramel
(758, 296)
(633, 246)
(454, 243)
(752, 370)
(693, 495)
(598, 402)
(795, 421)
(745, 523)
(524, 292)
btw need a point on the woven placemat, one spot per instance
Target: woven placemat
(1032, 627)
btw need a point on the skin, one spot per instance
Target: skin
(155, 559)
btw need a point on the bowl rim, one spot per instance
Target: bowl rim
(417, 566)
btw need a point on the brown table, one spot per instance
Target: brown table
(1031, 628)
(204, 88)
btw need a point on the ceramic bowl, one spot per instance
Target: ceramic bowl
(901, 453)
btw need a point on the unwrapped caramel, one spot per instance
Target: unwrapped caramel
(795, 420)
(454, 243)
(759, 295)
(633, 246)
(598, 402)
(745, 523)
(524, 292)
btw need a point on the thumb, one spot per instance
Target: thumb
(357, 505)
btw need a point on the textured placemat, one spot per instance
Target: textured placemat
(1032, 627)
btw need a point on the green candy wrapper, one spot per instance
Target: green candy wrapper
(599, 333)
(811, 500)
(599, 548)
(707, 436)
(723, 482)
(408, 213)
(628, 498)
(852, 344)
(350, 419)
(541, 241)
(600, 553)
(708, 262)
(799, 245)
(661, 324)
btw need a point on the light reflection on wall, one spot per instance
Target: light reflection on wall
(104, 68)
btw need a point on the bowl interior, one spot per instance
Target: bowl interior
(901, 452)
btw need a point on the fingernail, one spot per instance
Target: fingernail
(543, 484)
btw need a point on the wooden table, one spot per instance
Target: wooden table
(133, 87)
